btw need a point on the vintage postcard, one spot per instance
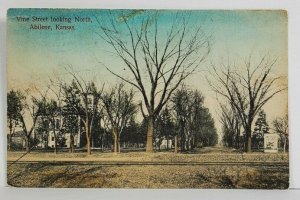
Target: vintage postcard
(147, 98)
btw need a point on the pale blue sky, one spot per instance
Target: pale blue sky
(34, 55)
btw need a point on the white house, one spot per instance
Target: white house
(67, 137)
(165, 143)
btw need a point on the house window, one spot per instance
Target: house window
(52, 138)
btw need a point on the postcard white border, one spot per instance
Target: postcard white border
(293, 8)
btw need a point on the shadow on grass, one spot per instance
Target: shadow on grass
(40, 175)
(243, 177)
(71, 177)
(28, 170)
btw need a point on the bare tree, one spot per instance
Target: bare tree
(163, 58)
(248, 88)
(56, 88)
(118, 109)
(84, 97)
(231, 125)
(281, 126)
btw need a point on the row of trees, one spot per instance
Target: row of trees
(107, 115)
(246, 89)
(233, 136)
(157, 58)
(169, 57)
(194, 120)
(232, 130)
(65, 108)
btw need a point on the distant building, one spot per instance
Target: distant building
(43, 139)
(63, 138)
(66, 139)
(165, 144)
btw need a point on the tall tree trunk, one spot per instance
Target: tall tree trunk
(55, 142)
(115, 146)
(284, 144)
(176, 150)
(167, 142)
(27, 141)
(182, 135)
(193, 142)
(158, 144)
(102, 142)
(88, 138)
(93, 140)
(150, 130)
(88, 145)
(187, 141)
(248, 139)
(237, 136)
(119, 145)
(55, 145)
(47, 141)
(71, 143)
(9, 136)
(9, 141)
(115, 138)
